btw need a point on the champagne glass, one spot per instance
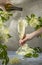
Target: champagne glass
(22, 24)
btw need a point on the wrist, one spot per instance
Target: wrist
(31, 35)
(34, 34)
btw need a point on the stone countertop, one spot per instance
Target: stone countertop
(26, 61)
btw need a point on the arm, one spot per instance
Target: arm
(31, 36)
(37, 32)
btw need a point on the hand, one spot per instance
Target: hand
(2, 7)
(30, 36)
(26, 37)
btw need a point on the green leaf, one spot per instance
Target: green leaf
(28, 55)
(40, 19)
(9, 36)
(3, 54)
(35, 55)
(38, 49)
(32, 15)
(28, 19)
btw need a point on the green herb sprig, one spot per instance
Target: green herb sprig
(4, 36)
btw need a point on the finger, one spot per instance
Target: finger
(22, 43)
(24, 40)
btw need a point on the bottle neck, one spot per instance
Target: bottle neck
(10, 7)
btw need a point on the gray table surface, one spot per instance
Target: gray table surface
(25, 61)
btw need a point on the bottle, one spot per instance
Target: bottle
(10, 7)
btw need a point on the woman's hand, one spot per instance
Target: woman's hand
(30, 36)
(26, 37)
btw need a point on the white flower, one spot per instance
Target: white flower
(34, 22)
